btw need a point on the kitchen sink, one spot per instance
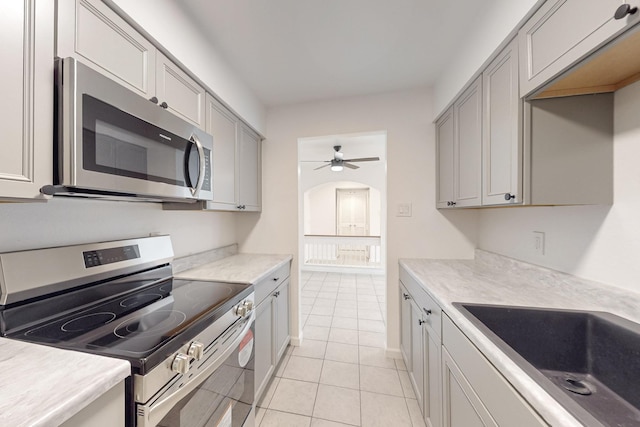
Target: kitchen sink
(588, 361)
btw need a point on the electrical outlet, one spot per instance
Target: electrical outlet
(538, 242)
(403, 209)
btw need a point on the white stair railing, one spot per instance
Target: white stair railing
(343, 251)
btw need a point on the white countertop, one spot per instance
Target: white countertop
(240, 268)
(493, 279)
(45, 386)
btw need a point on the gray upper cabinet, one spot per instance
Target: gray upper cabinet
(467, 153)
(27, 88)
(249, 170)
(93, 33)
(502, 131)
(236, 161)
(444, 160)
(223, 125)
(562, 32)
(179, 93)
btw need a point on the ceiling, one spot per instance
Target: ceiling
(293, 51)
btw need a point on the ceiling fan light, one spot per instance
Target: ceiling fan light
(336, 168)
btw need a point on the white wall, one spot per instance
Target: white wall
(168, 24)
(320, 208)
(601, 243)
(406, 116)
(69, 221)
(497, 21)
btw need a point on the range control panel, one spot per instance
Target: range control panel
(111, 255)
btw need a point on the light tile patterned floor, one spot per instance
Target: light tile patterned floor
(340, 375)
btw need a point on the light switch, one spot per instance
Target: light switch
(403, 209)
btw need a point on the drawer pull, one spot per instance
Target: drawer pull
(405, 296)
(420, 322)
(427, 312)
(275, 279)
(276, 294)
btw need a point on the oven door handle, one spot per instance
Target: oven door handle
(152, 413)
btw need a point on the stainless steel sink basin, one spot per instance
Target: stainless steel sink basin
(588, 361)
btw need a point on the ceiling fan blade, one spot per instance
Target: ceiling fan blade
(323, 166)
(363, 159)
(349, 165)
(315, 161)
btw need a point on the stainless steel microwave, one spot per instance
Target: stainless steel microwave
(113, 143)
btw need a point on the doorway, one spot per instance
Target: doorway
(342, 237)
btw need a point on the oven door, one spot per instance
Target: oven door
(116, 141)
(220, 393)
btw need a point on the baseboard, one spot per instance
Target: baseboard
(296, 341)
(393, 353)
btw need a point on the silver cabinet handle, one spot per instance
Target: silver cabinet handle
(427, 312)
(405, 296)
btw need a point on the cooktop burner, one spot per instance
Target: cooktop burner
(134, 325)
(87, 322)
(154, 323)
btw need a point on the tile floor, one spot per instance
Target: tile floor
(340, 375)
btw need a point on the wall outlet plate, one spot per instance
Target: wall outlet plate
(403, 209)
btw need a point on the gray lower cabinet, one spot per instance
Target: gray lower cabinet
(553, 39)
(420, 347)
(272, 334)
(265, 360)
(474, 393)
(27, 88)
(454, 383)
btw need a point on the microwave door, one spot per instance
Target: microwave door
(139, 155)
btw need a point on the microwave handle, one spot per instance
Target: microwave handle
(194, 139)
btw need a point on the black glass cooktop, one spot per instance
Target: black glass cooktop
(143, 326)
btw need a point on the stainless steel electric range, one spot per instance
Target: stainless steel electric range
(190, 343)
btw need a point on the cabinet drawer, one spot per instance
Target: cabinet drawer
(501, 400)
(424, 301)
(266, 286)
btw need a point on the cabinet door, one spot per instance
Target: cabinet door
(249, 170)
(179, 93)
(554, 38)
(461, 406)
(432, 384)
(444, 160)
(502, 130)
(93, 33)
(467, 117)
(282, 319)
(416, 373)
(26, 114)
(405, 327)
(264, 342)
(222, 124)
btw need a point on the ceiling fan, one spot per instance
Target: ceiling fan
(338, 161)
